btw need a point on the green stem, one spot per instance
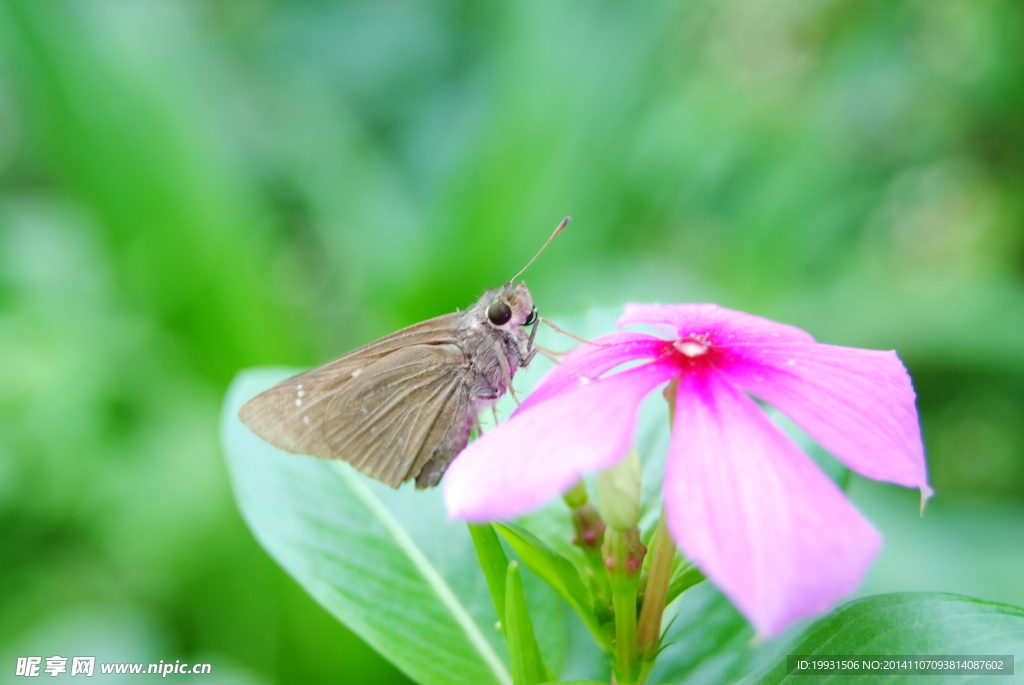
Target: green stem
(659, 576)
(624, 556)
(625, 635)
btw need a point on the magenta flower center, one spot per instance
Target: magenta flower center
(695, 351)
(692, 346)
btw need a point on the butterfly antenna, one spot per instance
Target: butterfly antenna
(565, 222)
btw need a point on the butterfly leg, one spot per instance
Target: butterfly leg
(530, 346)
(553, 355)
(550, 355)
(507, 377)
(556, 358)
(574, 337)
(531, 349)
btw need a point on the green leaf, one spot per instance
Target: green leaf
(522, 645)
(908, 623)
(557, 571)
(495, 566)
(493, 562)
(684, 576)
(710, 643)
(386, 563)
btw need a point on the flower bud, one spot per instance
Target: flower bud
(618, 489)
(576, 496)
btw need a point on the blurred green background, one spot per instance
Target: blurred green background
(192, 187)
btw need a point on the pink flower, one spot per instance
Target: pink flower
(742, 501)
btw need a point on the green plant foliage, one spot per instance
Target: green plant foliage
(493, 563)
(911, 623)
(708, 641)
(684, 576)
(556, 571)
(527, 668)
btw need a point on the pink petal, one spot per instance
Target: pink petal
(719, 325)
(756, 515)
(858, 404)
(589, 362)
(542, 452)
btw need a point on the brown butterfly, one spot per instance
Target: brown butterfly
(402, 407)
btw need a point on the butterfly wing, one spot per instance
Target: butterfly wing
(409, 410)
(289, 415)
(388, 408)
(441, 330)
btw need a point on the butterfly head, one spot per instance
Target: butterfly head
(510, 306)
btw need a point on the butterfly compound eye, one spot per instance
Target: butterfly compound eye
(531, 318)
(499, 313)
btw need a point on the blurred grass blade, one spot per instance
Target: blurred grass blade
(522, 645)
(331, 530)
(557, 571)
